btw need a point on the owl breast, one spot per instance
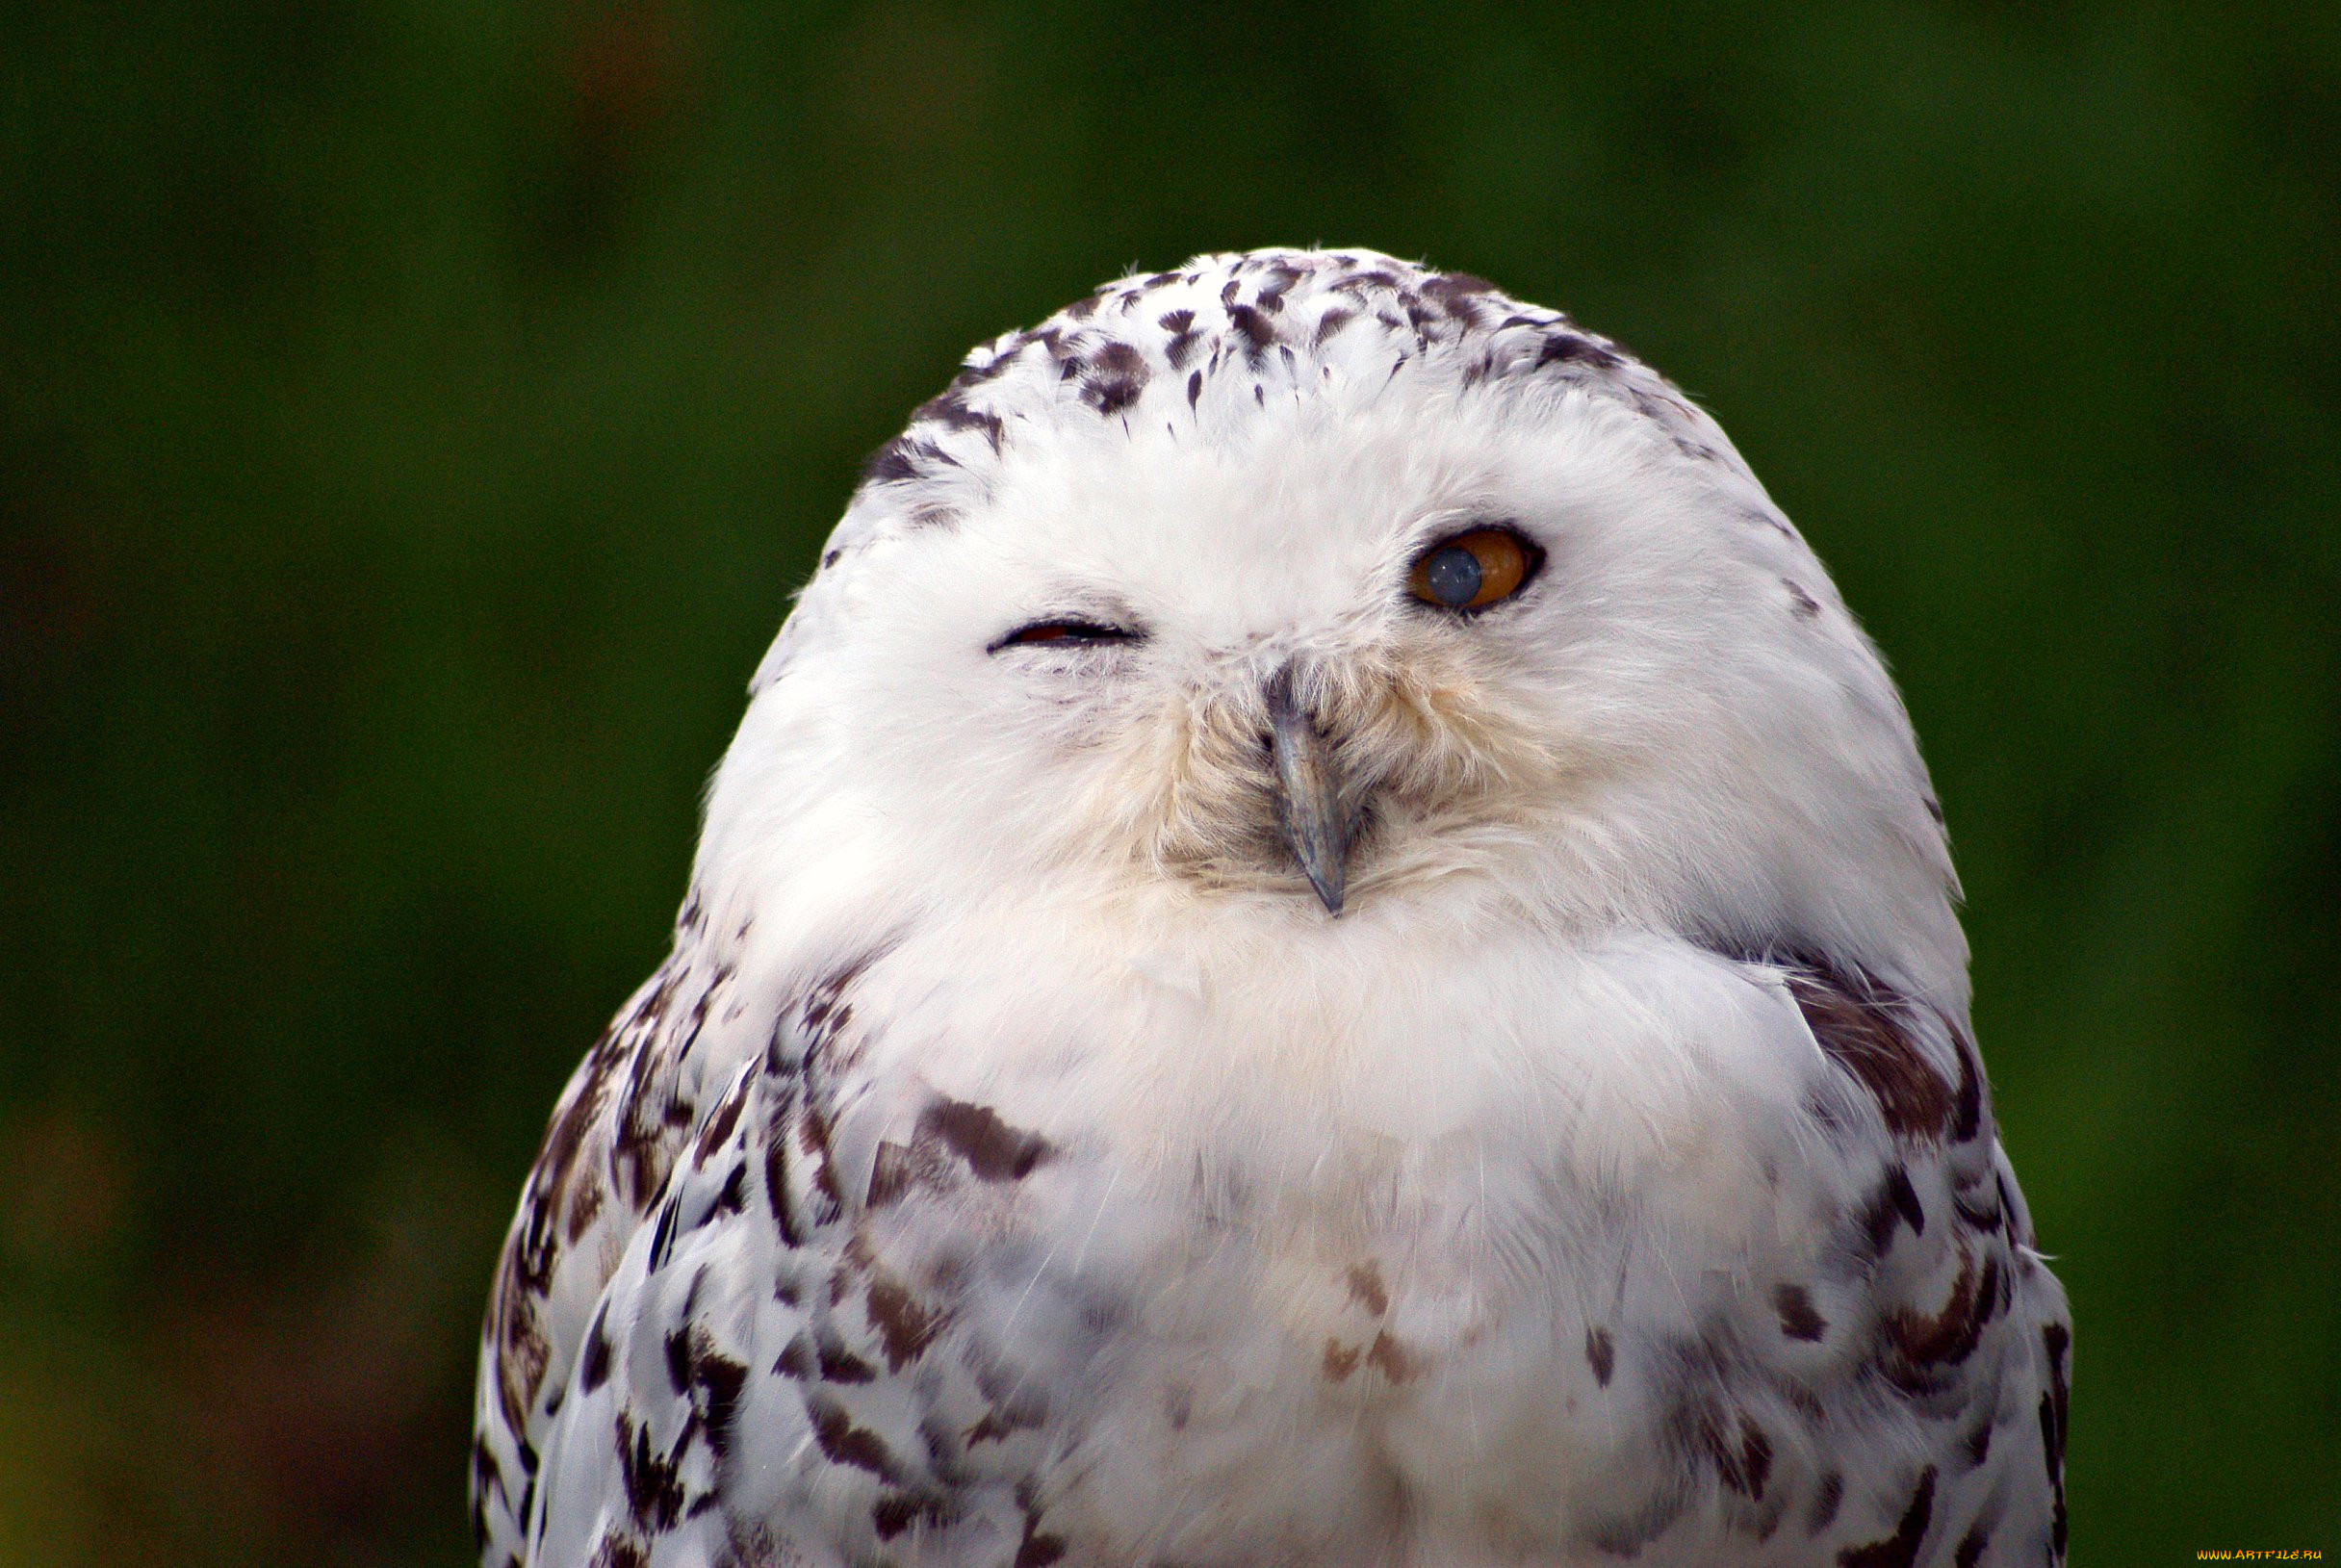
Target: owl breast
(1280, 1284)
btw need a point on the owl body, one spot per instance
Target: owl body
(1182, 1050)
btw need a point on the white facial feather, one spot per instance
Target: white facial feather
(1677, 726)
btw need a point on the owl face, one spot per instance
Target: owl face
(1349, 610)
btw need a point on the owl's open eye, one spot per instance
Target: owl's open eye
(1068, 632)
(1474, 568)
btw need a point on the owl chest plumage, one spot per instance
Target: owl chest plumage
(1453, 1254)
(1621, 1264)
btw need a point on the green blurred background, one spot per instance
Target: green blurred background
(413, 419)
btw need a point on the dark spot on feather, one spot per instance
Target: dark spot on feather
(1739, 1449)
(837, 1364)
(1826, 1498)
(1453, 292)
(654, 1481)
(1601, 1354)
(487, 1478)
(662, 1236)
(1966, 1106)
(523, 1355)
(953, 410)
(943, 1449)
(720, 1124)
(994, 1150)
(897, 1511)
(973, 375)
(733, 1199)
(1118, 375)
(1257, 329)
(1366, 1288)
(1340, 1360)
(1804, 606)
(594, 1370)
(1450, 287)
(1392, 1359)
(584, 1208)
(777, 1132)
(1178, 1407)
(1975, 1216)
(1195, 388)
(893, 463)
(798, 1360)
(824, 1010)
(845, 1443)
(1971, 1547)
(1001, 1421)
(892, 1513)
(893, 1173)
(905, 1327)
(1859, 1025)
(1921, 1342)
(1895, 1202)
(614, 1551)
(1797, 1319)
(813, 1142)
(1330, 322)
(1899, 1549)
(1568, 348)
(2055, 1415)
(1175, 320)
(1036, 1550)
(1979, 1441)
(715, 1381)
(1113, 394)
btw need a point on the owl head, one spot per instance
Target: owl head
(1310, 597)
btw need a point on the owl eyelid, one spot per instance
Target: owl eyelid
(1071, 630)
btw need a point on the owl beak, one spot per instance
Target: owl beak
(1308, 792)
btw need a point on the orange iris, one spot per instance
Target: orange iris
(1472, 570)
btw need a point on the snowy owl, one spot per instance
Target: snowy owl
(1321, 944)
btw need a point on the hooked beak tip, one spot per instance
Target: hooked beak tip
(1329, 894)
